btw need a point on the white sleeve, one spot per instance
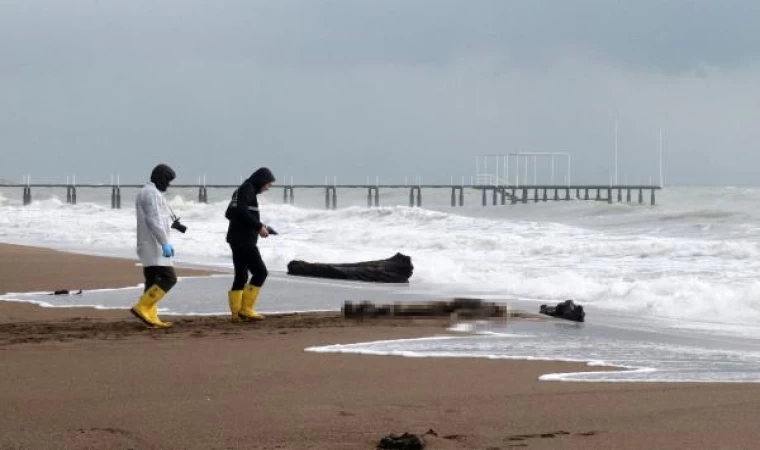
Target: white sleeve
(150, 206)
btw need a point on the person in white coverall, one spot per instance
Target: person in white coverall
(154, 219)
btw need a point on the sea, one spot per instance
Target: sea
(671, 290)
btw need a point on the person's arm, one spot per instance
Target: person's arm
(246, 209)
(150, 206)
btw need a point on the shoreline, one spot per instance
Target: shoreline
(83, 378)
(36, 269)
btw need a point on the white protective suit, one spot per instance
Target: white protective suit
(153, 226)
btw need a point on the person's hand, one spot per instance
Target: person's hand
(263, 231)
(168, 250)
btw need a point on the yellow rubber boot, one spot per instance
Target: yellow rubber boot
(250, 296)
(146, 308)
(159, 294)
(154, 315)
(236, 303)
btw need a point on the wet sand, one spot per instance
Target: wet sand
(32, 269)
(80, 378)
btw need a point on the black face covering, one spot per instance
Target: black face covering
(161, 176)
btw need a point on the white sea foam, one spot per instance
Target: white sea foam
(694, 258)
(627, 356)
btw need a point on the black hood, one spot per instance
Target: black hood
(260, 178)
(161, 176)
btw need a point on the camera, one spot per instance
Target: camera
(177, 225)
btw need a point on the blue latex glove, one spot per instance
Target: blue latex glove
(168, 250)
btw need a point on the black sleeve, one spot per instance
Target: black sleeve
(248, 206)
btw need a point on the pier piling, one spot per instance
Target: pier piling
(202, 194)
(370, 200)
(115, 197)
(288, 196)
(331, 197)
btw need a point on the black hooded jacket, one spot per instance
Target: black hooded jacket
(161, 176)
(243, 210)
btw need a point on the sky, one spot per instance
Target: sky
(390, 90)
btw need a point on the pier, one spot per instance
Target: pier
(491, 194)
(500, 179)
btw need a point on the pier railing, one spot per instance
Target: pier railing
(500, 194)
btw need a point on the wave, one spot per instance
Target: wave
(642, 260)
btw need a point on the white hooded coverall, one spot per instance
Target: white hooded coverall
(153, 226)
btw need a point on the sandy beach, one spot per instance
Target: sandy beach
(80, 378)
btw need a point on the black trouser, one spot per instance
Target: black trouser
(162, 276)
(246, 258)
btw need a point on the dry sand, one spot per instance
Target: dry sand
(79, 378)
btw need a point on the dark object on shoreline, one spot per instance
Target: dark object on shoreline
(565, 310)
(462, 307)
(396, 269)
(65, 292)
(406, 441)
(271, 231)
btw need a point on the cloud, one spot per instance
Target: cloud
(392, 88)
(648, 34)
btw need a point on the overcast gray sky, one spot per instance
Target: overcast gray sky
(358, 88)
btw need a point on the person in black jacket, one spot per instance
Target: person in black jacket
(243, 233)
